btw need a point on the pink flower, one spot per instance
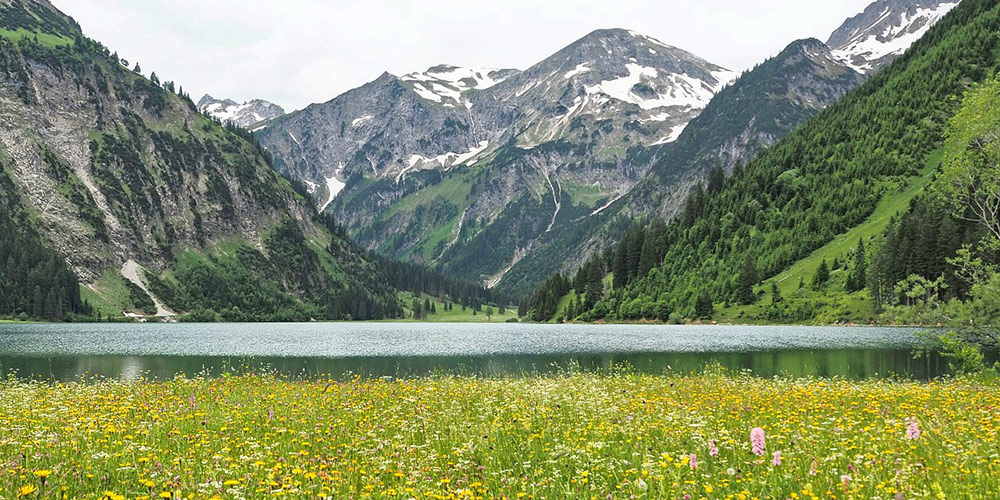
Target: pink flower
(777, 458)
(693, 461)
(815, 465)
(757, 441)
(713, 449)
(913, 430)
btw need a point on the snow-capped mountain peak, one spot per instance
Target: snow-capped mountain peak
(245, 115)
(884, 31)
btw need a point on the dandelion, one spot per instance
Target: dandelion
(713, 449)
(777, 459)
(913, 430)
(28, 489)
(43, 475)
(693, 461)
(757, 439)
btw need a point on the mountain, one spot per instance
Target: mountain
(154, 207)
(764, 105)
(467, 168)
(494, 174)
(872, 39)
(857, 162)
(245, 115)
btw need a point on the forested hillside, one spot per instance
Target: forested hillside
(811, 187)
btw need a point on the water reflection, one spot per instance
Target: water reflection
(846, 363)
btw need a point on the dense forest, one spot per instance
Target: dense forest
(820, 181)
(35, 282)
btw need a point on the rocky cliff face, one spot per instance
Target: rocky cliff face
(249, 115)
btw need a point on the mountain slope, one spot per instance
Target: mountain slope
(872, 39)
(823, 179)
(764, 105)
(125, 179)
(246, 115)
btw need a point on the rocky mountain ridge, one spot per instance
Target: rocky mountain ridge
(248, 115)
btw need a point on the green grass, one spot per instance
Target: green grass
(99, 303)
(587, 195)
(45, 39)
(562, 436)
(457, 315)
(454, 188)
(110, 295)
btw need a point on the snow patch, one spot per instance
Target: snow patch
(333, 187)
(606, 205)
(579, 70)
(675, 133)
(358, 121)
(445, 160)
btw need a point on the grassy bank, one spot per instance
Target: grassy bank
(456, 315)
(571, 436)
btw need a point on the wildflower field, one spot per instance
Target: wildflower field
(552, 437)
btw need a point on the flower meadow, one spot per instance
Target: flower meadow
(588, 436)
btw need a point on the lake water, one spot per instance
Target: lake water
(68, 352)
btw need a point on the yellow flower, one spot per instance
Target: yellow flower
(231, 482)
(28, 489)
(43, 474)
(110, 495)
(148, 483)
(165, 494)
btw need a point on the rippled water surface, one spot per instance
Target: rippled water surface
(66, 352)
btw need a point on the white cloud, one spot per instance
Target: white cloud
(295, 52)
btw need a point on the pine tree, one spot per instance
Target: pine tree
(747, 280)
(858, 276)
(776, 297)
(716, 179)
(703, 306)
(822, 275)
(594, 288)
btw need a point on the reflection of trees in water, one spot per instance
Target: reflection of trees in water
(847, 363)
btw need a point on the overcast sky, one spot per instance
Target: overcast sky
(296, 52)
